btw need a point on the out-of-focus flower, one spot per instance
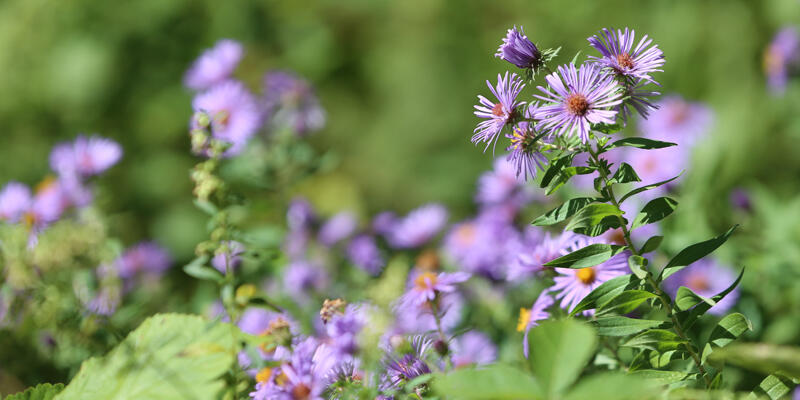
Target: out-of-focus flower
(500, 184)
(425, 286)
(300, 214)
(15, 200)
(214, 66)
(531, 259)
(384, 222)
(290, 101)
(782, 58)
(576, 99)
(658, 165)
(234, 113)
(418, 227)
(302, 276)
(301, 377)
(524, 151)
(105, 302)
(473, 348)
(483, 246)
(707, 278)
(85, 156)
(499, 114)
(620, 55)
(400, 370)
(677, 120)
(519, 50)
(343, 330)
(231, 257)
(530, 318)
(146, 258)
(740, 199)
(419, 319)
(38, 211)
(337, 228)
(365, 254)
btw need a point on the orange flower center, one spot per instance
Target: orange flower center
(586, 275)
(698, 283)
(425, 280)
(498, 110)
(466, 234)
(625, 60)
(428, 260)
(577, 104)
(301, 392)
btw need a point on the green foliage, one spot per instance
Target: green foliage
(169, 356)
(655, 210)
(651, 244)
(564, 211)
(493, 382)
(763, 357)
(638, 266)
(613, 386)
(588, 256)
(44, 391)
(687, 318)
(616, 325)
(694, 253)
(591, 215)
(727, 330)
(660, 340)
(200, 270)
(559, 350)
(641, 143)
(625, 174)
(625, 302)
(555, 168)
(646, 187)
(605, 292)
(774, 387)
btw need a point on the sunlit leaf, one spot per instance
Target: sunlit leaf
(623, 326)
(641, 143)
(44, 391)
(655, 210)
(727, 330)
(694, 253)
(605, 292)
(559, 350)
(493, 382)
(625, 174)
(625, 302)
(659, 340)
(564, 211)
(646, 187)
(591, 215)
(588, 256)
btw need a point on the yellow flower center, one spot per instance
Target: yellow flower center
(425, 280)
(466, 234)
(524, 317)
(586, 275)
(46, 184)
(428, 260)
(264, 375)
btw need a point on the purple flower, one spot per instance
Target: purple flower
(620, 55)
(399, 371)
(677, 120)
(499, 114)
(214, 66)
(234, 113)
(483, 246)
(337, 228)
(365, 254)
(530, 318)
(740, 199)
(473, 348)
(343, 330)
(37, 212)
(256, 321)
(781, 58)
(146, 258)
(302, 376)
(415, 319)
(418, 227)
(531, 259)
(518, 50)
(707, 278)
(658, 165)
(86, 156)
(638, 98)
(576, 99)
(499, 184)
(425, 286)
(574, 284)
(231, 257)
(384, 222)
(15, 200)
(104, 303)
(524, 151)
(301, 277)
(290, 101)
(300, 214)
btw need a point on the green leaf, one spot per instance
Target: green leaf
(660, 340)
(612, 386)
(207, 207)
(647, 187)
(493, 382)
(694, 253)
(727, 330)
(605, 292)
(689, 317)
(638, 266)
(169, 356)
(565, 175)
(622, 326)
(44, 391)
(686, 299)
(588, 256)
(198, 269)
(564, 211)
(651, 244)
(664, 377)
(610, 222)
(591, 215)
(607, 129)
(559, 350)
(655, 210)
(625, 302)
(641, 143)
(625, 174)
(555, 168)
(763, 357)
(774, 387)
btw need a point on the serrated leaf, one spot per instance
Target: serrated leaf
(169, 356)
(555, 168)
(664, 377)
(588, 256)
(612, 386)
(775, 387)
(559, 350)
(638, 266)
(694, 253)
(727, 330)
(763, 357)
(625, 174)
(625, 302)
(660, 340)
(564, 211)
(647, 187)
(44, 391)
(655, 210)
(591, 215)
(689, 317)
(623, 326)
(605, 292)
(493, 382)
(651, 244)
(641, 143)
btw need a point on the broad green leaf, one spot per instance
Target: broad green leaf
(647, 187)
(660, 340)
(638, 266)
(726, 331)
(565, 175)
(625, 302)
(774, 387)
(763, 357)
(555, 168)
(651, 244)
(198, 269)
(664, 377)
(559, 350)
(655, 210)
(169, 356)
(686, 299)
(612, 386)
(689, 317)
(641, 143)
(605, 292)
(588, 256)
(607, 129)
(694, 253)
(493, 382)
(623, 326)
(661, 360)
(591, 215)
(625, 174)
(44, 391)
(563, 211)
(610, 222)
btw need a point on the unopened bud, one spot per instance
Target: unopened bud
(441, 347)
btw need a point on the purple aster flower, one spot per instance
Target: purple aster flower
(499, 114)
(146, 258)
(343, 330)
(427, 285)
(524, 151)
(518, 50)
(231, 257)
(104, 303)
(677, 120)
(576, 99)
(303, 276)
(531, 259)
(473, 348)
(500, 184)
(574, 284)
(620, 55)
(214, 66)
(365, 254)
(302, 377)
(300, 214)
(419, 319)
(530, 318)
(290, 101)
(401, 370)
(37, 211)
(384, 222)
(658, 165)
(256, 320)
(15, 200)
(418, 227)
(483, 246)
(337, 228)
(706, 277)
(86, 156)
(296, 243)
(781, 58)
(637, 97)
(234, 113)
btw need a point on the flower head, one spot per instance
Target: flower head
(781, 57)
(400, 370)
(302, 277)
(501, 184)
(638, 98)
(418, 227)
(425, 286)
(86, 156)
(519, 50)
(529, 318)
(15, 200)
(365, 254)
(290, 101)
(576, 99)
(619, 54)
(234, 113)
(337, 228)
(531, 259)
(473, 348)
(215, 65)
(499, 114)
(410, 318)
(230, 257)
(524, 151)
(677, 120)
(483, 246)
(707, 278)
(143, 258)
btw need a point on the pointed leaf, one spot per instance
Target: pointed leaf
(625, 302)
(647, 187)
(564, 211)
(774, 387)
(610, 222)
(588, 256)
(565, 175)
(727, 330)
(559, 350)
(493, 382)
(651, 244)
(660, 340)
(638, 266)
(655, 210)
(555, 168)
(625, 174)
(686, 299)
(623, 326)
(198, 269)
(664, 377)
(605, 292)
(694, 253)
(641, 143)
(591, 215)
(44, 391)
(689, 317)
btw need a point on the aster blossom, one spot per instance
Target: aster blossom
(290, 101)
(576, 99)
(85, 156)
(519, 50)
(418, 227)
(235, 116)
(499, 114)
(427, 285)
(529, 318)
(706, 277)
(782, 58)
(473, 348)
(619, 54)
(524, 152)
(214, 66)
